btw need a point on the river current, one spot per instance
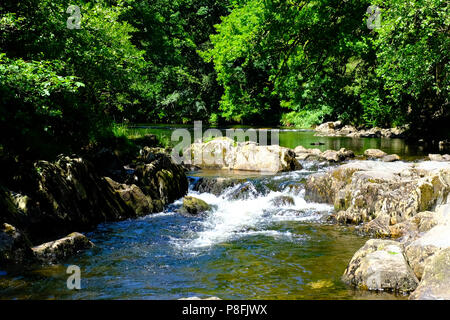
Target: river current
(249, 246)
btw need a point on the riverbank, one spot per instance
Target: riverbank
(74, 194)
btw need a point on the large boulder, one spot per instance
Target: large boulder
(435, 284)
(380, 265)
(159, 177)
(375, 153)
(58, 250)
(439, 157)
(363, 190)
(15, 248)
(225, 153)
(133, 196)
(70, 195)
(419, 251)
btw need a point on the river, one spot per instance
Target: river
(247, 247)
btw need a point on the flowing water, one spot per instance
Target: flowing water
(248, 246)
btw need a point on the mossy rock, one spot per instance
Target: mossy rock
(194, 206)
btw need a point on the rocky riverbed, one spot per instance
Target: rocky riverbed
(404, 206)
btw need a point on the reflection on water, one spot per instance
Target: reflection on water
(248, 247)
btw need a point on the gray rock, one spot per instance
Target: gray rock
(390, 158)
(380, 265)
(225, 153)
(58, 250)
(435, 284)
(374, 153)
(419, 251)
(363, 190)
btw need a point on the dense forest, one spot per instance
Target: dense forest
(66, 79)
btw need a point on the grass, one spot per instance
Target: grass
(131, 133)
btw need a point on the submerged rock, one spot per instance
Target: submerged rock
(58, 250)
(283, 201)
(194, 206)
(215, 185)
(435, 284)
(380, 265)
(421, 250)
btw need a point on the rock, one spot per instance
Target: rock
(70, 195)
(133, 196)
(390, 158)
(337, 129)
(330, 155)
(15, 248)
(424, 220)
(159, 177)
(444, 144)
(374, 153)
(439, 157)
(378, 227)
(363, 190)
(224, 153)
(58, 250)
(380, 265)
(336, 156)
(405, 230)
(419, 251)
(301, 149)
(435, 283)
(280, 201)
(347, 130)
(327, 127)
(194, 206)
(215, 185)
